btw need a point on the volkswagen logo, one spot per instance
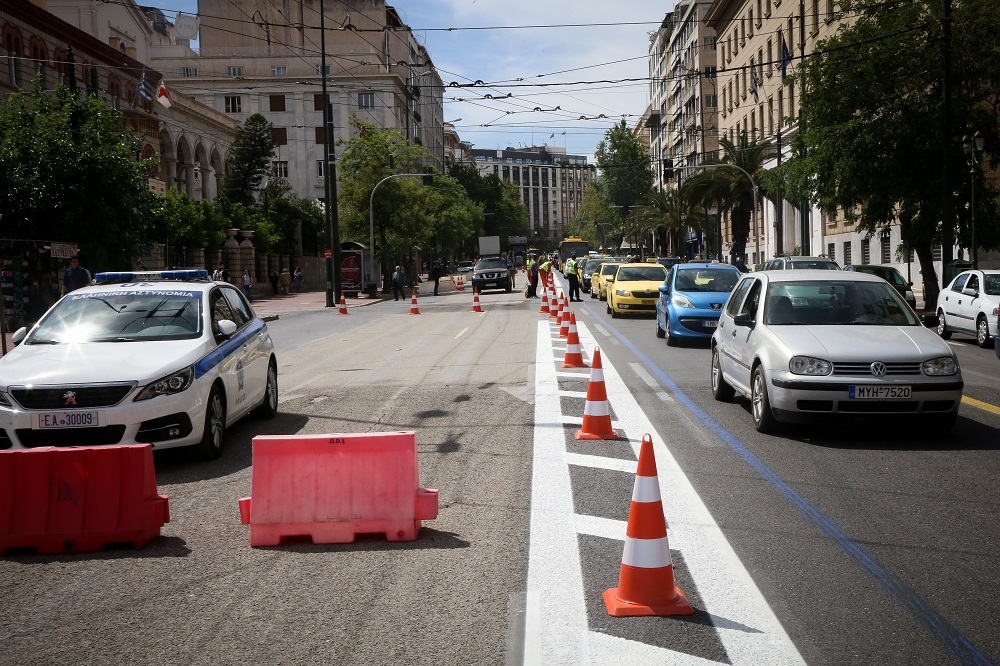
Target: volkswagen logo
(69, 397)
(878, 368)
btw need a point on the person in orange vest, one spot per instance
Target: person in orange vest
(543, 269)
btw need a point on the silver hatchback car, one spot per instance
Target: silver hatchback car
(803, 345)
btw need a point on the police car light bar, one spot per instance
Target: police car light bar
(149, 276)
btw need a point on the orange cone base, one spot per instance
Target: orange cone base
(621, 608)
(610, 434)
(574, 361)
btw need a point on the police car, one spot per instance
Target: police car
(166, 358)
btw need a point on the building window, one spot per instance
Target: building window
(234, 105)
(279, 70)
(321, 168)
(710, 43)
(516, 174)
(710, 72)
(366, 100)
(866, 252)
(886, 250)
(320, 136)
(279, 169)
(711, 101)
(235, 70)
(277, 102)
(279, 136)
(831, 250)
(320, 70)
(317, 102)
(189, 71)
(847, 253)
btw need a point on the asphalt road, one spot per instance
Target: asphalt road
(853, 544)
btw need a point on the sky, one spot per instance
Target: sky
(586, 57)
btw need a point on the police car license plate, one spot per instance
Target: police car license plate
(67, 420)
(870, 392)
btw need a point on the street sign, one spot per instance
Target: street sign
(328, 253)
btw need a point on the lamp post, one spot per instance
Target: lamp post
(973, 146)
(330, 171)
(371, 224)
(753, 183)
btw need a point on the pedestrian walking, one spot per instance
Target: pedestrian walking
(572, 274)
(75, 277)
(284, 281)
(435, 274)
(533, 276)
(247, 284)
(297, 278)
(399, 283)
(221, 274)
(272, 277)
(511, 272)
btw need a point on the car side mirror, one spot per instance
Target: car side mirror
(19, 335)
(664, 288)
(909, 284)
(969, 291)
(225, 328)
(744, 319)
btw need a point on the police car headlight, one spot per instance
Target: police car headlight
(175, 383)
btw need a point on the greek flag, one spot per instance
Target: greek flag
(786, 58)
(755, 80)
(145, 92)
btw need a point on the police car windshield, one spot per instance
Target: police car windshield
(122, 316)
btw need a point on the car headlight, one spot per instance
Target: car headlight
(807, 365)
(941, 366)
(175, 383)
(624, 293)
(681, 301)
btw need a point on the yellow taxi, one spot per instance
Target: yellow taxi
(635, 288)
(599, 280)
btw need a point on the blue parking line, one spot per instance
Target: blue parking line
(900, 591)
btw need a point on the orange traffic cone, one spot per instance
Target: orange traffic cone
(574, 359)
(556, 307)
(343, 305)
(646, 583)
(596, 411)
(564, 316)
(460, 283)
(413, 304)
(545, 303)
(475, 300)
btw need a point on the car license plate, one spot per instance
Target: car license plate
(711, 323)
(67, 420)
(649, 301)
(870, 392)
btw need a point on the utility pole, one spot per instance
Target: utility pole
(330, 171)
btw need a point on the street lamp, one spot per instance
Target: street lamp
(973, 146)
(371, 226)
(756, 234)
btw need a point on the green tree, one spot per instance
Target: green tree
(664, 213)
(599, 224)
(298, 223)
(872, 124)
(726, 185)
(250, 160)
(68, 172)
(505, 213)
(623, 160)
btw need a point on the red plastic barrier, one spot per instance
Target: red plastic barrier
(334, 487)
(79, 500)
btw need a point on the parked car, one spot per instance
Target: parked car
(890, 275)
(599, 280)
(492, 273)
(170, 359)
(635, 288)
(586, 269)
(969, 305)
(799, 263)
(465, 266)
(691, 300)
(803, 345)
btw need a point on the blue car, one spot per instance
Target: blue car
(691, 300)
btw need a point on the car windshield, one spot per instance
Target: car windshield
(655, 273)
(820, 264)
(992, 284)
(706, 279)
(608, 269)
(491, 264)
(834, 302)
(122, 316)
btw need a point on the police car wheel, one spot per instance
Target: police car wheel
(210, 445)
(269, 407)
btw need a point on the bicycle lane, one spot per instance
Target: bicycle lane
(581, 493)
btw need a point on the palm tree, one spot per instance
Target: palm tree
(663, 213)
(730, 190)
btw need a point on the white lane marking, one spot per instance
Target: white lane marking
(600, 329)
(607, 528)
(573, 394)
(601, 462)
(643, 375)
(461, 333)
(725, 586)
(664, 396)
(566, 374)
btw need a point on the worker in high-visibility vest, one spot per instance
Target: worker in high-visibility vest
(572, 274)
(543, 270)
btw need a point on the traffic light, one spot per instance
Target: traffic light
(428, 176)
(596, 225)
(668, 168)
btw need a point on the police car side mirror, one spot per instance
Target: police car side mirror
(224, 328)
(19, 335)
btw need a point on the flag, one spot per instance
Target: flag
(755, 80)
(145, 92)
(162, 97)
(786, 59)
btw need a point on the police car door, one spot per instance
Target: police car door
(233, 359)
(256, 356)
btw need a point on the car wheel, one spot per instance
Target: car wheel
(269, 407)
(721, 390)
(611, 310)
(210, 446)
(592, 293)
(983, 333)
(760, 406)
(660, 333)
(942, 328)
(671, 340)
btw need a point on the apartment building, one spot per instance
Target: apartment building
(254, 58)
(551, 182)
